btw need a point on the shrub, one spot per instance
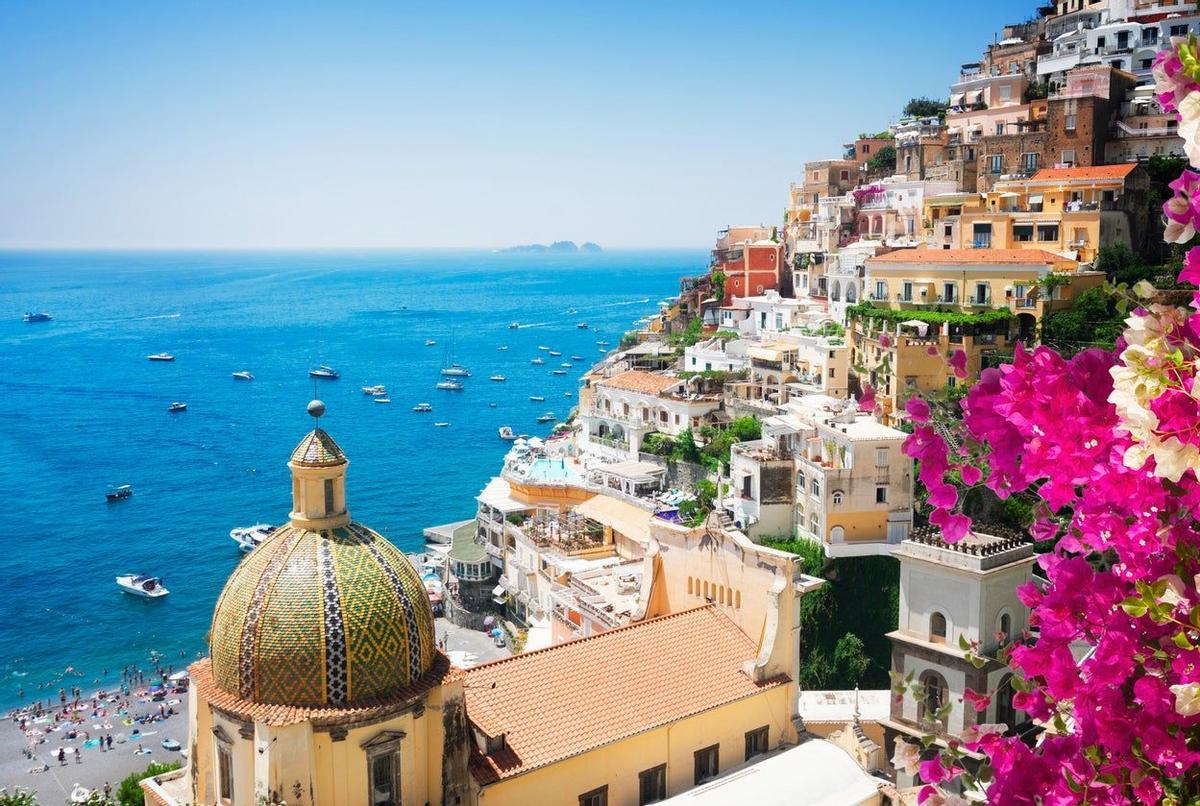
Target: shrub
(130, 794)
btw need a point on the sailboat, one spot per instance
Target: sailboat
(449, 368)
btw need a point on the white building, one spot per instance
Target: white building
(950, 591)
(627, 407)
(771, 314)
(716, 355)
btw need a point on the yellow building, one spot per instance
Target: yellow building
(325, 685)
(1071, 211)
(900, 338)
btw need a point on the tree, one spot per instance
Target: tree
(129, 793)
(686, 448)
(924, 108)
(1093, 320)
(17, 797)
(883, 160)
(850, 661)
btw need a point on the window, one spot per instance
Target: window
(882, 457)
(1029, 162)
(982, 294)
(816, 486)
(225, 772)
(1005, 629)
(995, 163)
(757, 741)
(999, 129)
(1022, 233)
(906, 294)
(881, 495)
(845, 176)
(1179, 30)
(1005, 713)
(597, 797)
(801, 481)
(385, 774)
(837, 497)
(1070, 122)
(1068, 156)
(983, 236)
(937, 628)
(935, 696)
(328, 496)
(948, 292)
(652, 785)
(814, 524)
(1047, 232)
(1149, 36)
(707, 764)
(880, 290)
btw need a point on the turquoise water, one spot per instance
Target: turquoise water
(551, 470)
(82, 408)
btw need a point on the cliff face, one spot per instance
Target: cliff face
(557, 246)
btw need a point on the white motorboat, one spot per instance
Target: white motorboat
(513, 325)
(555, 353)
(177, 406)
(543, 347)
(565, 365)
(374, 390)
(430, 342)
(603, 343)
(491, 405)
(547, 417)
(582, 325)
(441, 425)
(422, 407)
(161, 357)
(325, 371)
(503, 348)
(507, 434)
(559, 372)
(498, 378)
(243, 376)
(452, 386)
(567, 394)
(142, 585)
(537, 398)
(576, 358)
(538, 360)
(249, 537)
(36, 317)
(382, 399)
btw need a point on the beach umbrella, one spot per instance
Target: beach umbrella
(489, 621)
(182, 675)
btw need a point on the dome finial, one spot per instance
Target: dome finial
(315, 409)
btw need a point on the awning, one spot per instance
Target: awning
(957, 98)
(1036, 198)
(629, 520)
(1009, 195)
(498, 590)
(765, 354)
(921, 327)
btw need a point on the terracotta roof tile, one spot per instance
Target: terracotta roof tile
(971, 256)
(440, 672)
(635, 380)
(1090, 172)
(568, 699)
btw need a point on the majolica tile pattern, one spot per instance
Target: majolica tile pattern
(318, 449)
(322, 619)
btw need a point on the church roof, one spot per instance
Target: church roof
(565, 700)
(318, 449)
(322, 619)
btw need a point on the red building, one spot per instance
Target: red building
(751, 267)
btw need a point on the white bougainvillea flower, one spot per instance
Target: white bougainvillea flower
(1187, 698)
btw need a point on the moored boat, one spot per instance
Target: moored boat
(36, 317)
(422, 407)
(147, 587)
(543, 347)
(497, 378)
(430, 342)
(324, 371)
(451, 386)
(376, 390)
(249, 537)
(537, 398)
(161, 357)
(538, 360)
(547, 417)
(507, 434)
(577, 358)
(582, 325)
(441, 425)
(559, 372)
(177, 406)
(382, 399)
(243, 376)
(513, 325)
(555, 353)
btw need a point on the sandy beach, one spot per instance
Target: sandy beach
(114, 715)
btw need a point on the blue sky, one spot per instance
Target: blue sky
(296, 124)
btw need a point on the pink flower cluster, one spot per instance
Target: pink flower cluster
(864, 194)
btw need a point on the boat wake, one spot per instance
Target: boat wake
(156, 316)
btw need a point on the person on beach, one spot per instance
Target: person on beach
(62, 757)
(78, 756)
(107, 790)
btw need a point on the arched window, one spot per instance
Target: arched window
(1005, 631)
(721, 594)
(689, 586)
(936, 693)
(836, 293)
(737, 599)
(937, 628)
(837, 496)
(837, 535)
(851, 293)
(706, 589)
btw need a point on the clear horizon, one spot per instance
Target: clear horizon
(137, 126)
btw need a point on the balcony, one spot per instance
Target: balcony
(979, 301)
(982, 243)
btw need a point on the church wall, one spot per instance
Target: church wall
(617, 765)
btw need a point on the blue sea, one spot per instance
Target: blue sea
(82, 409)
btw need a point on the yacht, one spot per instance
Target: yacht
(547, 417)
(376, 390)
(441, 425)
(452, 386)
(491, 405)
(324, 371)
(582, 325)
(497, 378)
(243, 376)
(565, 365)
(556, 353)
(538, 360)
(37, 317)
(576, 358)
(249, 537)
(142, 585)
(382, 399)
(503, 348)
(120, 493)
(456, 371)
(177, 406)
(422, 407)
(559, 372)
(430, 342)
(161, 357)
(603, 343)
(537, 398)
(507, 434)
(513, 325)
(543, 347)
(567, 394)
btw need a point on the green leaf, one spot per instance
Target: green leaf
(1134, 607)
(963, 643)
(1182, 641)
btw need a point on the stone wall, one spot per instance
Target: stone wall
(683, 475)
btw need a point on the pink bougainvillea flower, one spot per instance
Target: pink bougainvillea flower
(976, 700)
(958, 363)
(918, 409)
(866, 401)
(970, 475)
(1191, 267)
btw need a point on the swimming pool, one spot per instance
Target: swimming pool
(551, 470)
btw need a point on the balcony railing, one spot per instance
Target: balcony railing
(977, 300)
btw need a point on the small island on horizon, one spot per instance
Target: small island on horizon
(557, 246)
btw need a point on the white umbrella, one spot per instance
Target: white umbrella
(918, 324)
(180, 675)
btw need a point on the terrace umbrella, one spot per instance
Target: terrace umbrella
(921, 327)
